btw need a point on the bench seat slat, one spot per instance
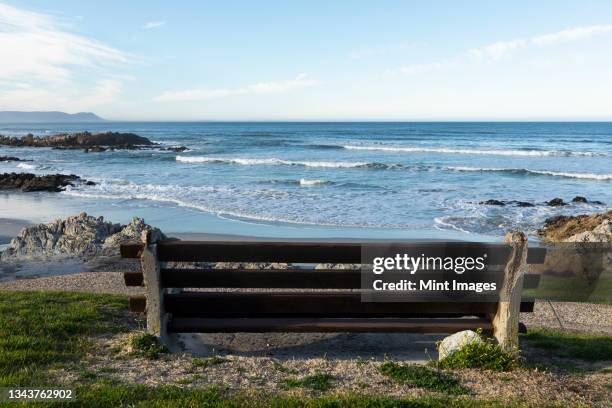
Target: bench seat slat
(313, 304)
(305, 325)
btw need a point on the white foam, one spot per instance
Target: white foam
(305, 182)
(493, 152)
(26, 166)
(586, 176)
(270, 162)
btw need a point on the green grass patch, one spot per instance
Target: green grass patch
(582, 346)
(39, 329)
(108, 394)
(572, 289)
(485, 355)
(318, 382)
(146, 345)
(207, 362)
(423, 377)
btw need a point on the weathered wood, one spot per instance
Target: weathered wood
(133, 279)
(506, 319)
(313, 304)
(155, 310)
(138, 304)
(312, 252)
(131, 250)
(306, 325)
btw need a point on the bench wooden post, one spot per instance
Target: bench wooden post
(506, 319)
(156, 322)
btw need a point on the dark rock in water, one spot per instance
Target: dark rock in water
(556, 202)
(10, 158)
(83, 140)
(580, 199)
(521, 203)
(28, 182)
(177, 149)
(492, 202)
(95, 149)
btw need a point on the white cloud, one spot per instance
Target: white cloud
(41, 59)
(153, 24)
(500, 49)
(300, 81)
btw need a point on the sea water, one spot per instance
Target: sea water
(378, 180)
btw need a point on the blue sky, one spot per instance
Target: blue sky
(328, 60)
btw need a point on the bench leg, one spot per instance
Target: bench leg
(156, 316)
(506, 319)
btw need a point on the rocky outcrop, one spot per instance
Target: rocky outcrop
(581, 228)
(83, 140)
(80, 236)
(555, 202)
(28, 182)
(577, 246)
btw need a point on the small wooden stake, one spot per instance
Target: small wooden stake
(506, 319)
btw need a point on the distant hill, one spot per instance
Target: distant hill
(48, 117)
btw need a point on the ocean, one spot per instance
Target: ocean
(361, 180)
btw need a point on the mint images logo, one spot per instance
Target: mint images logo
(411, 264)
(432, 272)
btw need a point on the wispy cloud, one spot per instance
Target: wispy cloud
(500, 49)
(153, 24)
(40, 55)
(300, 81)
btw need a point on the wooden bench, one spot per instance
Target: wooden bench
(320, 300)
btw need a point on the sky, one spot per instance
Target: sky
(309, 60)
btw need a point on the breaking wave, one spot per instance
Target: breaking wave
(586, 176)
(493, 152)
(281, 162)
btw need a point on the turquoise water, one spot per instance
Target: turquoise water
(386, 180)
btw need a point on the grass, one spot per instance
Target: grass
(486, 355)
(207, 362)
(107, 394)
(40, 329)
(317, 382)
(423, 377)
(146, 345)
(572, 289)
(581, 346)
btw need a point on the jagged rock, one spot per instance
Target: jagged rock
(79, 236)
(10, 158)
(251, 265)
(337, 266)
(579, 199)
(580, 228)
(81, 140)
(28, 182)
(577, 246)
(492, 202)
(455, 342)
(556, 202)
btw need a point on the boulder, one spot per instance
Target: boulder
(579, 199)
(455, 342)
(556, 202)
(79, 236)
(492, 202)
(28, 182)
(177, 149)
